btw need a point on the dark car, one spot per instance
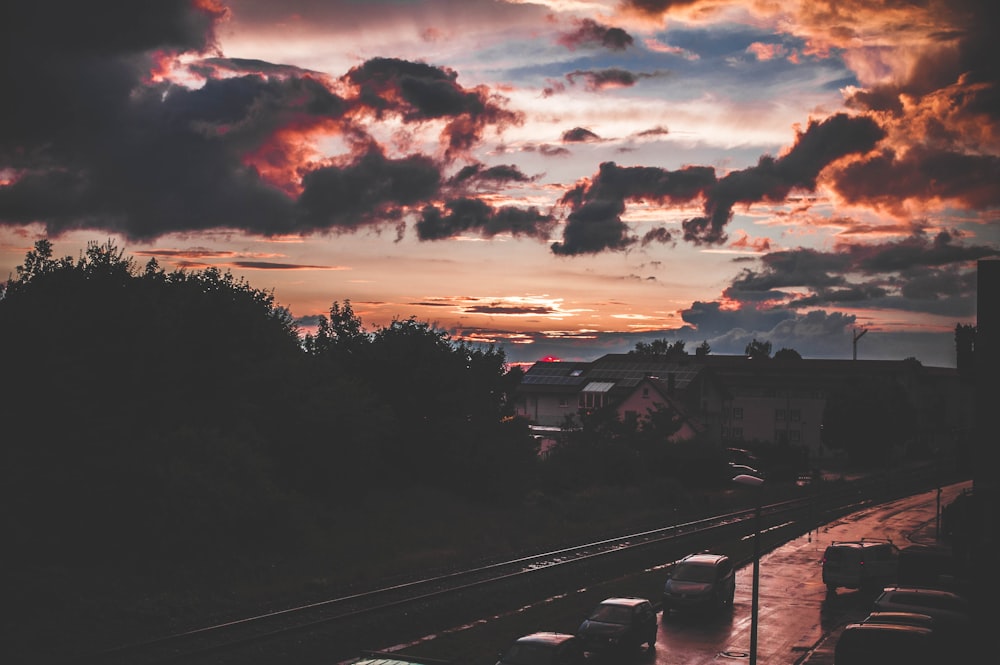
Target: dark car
(951, 611)
(903, 618)
(544, 648)
(704, 581)
(618, 625)
(887, 644)
(869, 563)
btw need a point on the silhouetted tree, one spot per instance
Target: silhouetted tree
(787, 354)
(866, 418)
(965, 349)
(660, 347)
(758, 349)
(703, 349)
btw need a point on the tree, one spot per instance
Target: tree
(758, 349)
(965, 348)
(703, 349)
(787, 354)
(660, 348)
(866, 418)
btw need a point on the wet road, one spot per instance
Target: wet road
(795, 613)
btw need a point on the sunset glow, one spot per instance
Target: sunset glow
(564, 179)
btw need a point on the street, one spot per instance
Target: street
(795, 613)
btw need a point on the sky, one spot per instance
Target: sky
(561, 178)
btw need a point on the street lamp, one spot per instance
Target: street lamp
(754, 481)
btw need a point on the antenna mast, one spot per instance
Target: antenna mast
(857, 336)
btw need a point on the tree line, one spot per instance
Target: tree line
(152, 414)
(177, 414)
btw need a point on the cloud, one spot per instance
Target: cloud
(589, 32)
(144, 156)
(467, 214)
(595, 224)
(822, 143)
(917, 273)
(579, 135)
(602, 79)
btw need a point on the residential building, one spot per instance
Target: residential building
(735, 400)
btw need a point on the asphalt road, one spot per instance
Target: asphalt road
(798, 622)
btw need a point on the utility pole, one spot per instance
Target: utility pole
(858, 336)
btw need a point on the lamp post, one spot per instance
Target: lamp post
(754, 481)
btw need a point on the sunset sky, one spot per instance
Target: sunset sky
(562, 178)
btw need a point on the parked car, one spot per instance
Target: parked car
(703, 581)
(903, 618)
(860, 564)
(950, 610)
(618, 625)
(544, 648)
(887, 644)
(745, 470)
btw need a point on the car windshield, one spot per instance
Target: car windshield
(689, 572)
(528, 654)
(611, 614)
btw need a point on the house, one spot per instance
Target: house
(652, 394)
(732, 400)
(556, 394)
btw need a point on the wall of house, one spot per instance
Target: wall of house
(789, 416)
(548, 410)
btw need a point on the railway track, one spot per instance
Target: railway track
(342, 621)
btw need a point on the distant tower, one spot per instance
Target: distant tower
(857, 336)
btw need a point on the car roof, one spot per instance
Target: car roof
(624, 600)
(899, 616)
(921, 590)
(897, 627)
(703, 557)
(546, 637)
(860, 543)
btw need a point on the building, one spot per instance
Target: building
(735, 400)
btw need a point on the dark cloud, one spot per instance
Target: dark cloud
(659, 234)
(593, 228)
(595, 223)
(656, 8)
(417, 91)
(370, 190)
(589, 32)
(266, 265)
(467, 214)
(143, 157)
(918, 273)
(600, 79)
(499, 175)
(579, 135)
(514, 310)
(887, 178)
(772, 179)
(712, 318)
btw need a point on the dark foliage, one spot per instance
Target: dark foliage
(152, 415)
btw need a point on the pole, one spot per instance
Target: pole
(755, 601)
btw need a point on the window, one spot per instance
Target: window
(795, 415)
(738, 414)
(738, 432)
(591, 400)
(645, 393)
(563, 402)
(779, 414)
(794, 436)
